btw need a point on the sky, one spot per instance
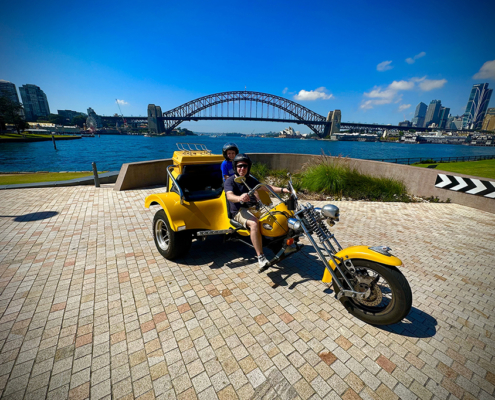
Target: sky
(373, 60)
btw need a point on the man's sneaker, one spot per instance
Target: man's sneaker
(263, 263)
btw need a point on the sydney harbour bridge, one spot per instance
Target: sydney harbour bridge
(248, 106)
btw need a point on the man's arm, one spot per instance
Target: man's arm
(237, 199)
(276, 189)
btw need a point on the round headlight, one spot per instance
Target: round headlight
(294, 224)
(268, 227)
(330, 211)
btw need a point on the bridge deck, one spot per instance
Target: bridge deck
(89, 307)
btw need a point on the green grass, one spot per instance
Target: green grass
(15, 179)
(30, 135)
(260, 171)
(333, 176)
(483, 168)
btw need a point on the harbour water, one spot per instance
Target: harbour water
(110, 152)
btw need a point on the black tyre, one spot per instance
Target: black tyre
(390, 299)
(169, 243)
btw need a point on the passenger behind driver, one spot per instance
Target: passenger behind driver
(237, 192)
(229, 151)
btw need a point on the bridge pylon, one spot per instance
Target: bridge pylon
(333, 124)
(155, 126)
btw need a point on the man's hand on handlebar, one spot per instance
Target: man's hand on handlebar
(244, 198)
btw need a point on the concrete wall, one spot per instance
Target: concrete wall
(142, 174)
(419, 181)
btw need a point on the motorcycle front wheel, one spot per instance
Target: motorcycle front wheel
(390, 297)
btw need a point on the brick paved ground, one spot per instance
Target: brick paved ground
(88, 308)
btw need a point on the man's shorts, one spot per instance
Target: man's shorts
(246, 214)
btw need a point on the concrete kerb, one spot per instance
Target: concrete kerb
(419, 181)
(106, 177)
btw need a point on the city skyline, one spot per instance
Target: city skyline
(375, 64)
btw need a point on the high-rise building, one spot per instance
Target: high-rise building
(476, 106)
(7, 89)
(444, 116)
(489, 120)
(433, 113)
(419, 115)
(35, 102)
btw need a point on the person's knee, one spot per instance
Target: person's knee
(252, 225)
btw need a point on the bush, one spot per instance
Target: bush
(428, 161)
(334, 176)
(260, 171)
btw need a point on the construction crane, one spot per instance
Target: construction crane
(122, 115)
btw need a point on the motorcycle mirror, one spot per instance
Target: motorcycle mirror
(239, 179)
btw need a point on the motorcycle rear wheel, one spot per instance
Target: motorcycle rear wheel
(169, 243)
(391, 297)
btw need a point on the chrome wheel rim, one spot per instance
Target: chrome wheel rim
(161, 235)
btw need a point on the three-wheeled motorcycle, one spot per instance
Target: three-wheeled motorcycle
(366, 279)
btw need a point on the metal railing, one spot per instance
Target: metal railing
(431, 160)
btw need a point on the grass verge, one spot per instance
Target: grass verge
(333, 177)
(16, 179)
(483, 168)
(16, 136)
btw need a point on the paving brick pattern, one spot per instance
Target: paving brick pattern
(89, 308)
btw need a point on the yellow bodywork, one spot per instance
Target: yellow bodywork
(364, 253)
(182, 158)
(209, 214)
(277, 220)
(204, 215)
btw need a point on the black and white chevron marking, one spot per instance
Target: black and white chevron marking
(466, 185)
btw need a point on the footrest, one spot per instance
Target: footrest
(236, 224)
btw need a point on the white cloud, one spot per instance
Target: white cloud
(403, 107)
(317, 94)
(487, 71)
(429, 84)
(413, 60)
(387, 95)
(392, 93)
(402, 85)
(384, 66)
(122, 102)
(285, 90)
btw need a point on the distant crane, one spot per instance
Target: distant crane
(122, 115)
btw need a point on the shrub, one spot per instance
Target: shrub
(260, 171)
(334, 176)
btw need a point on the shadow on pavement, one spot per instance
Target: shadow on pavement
(417, 324)
(303, 266)
(36, 216)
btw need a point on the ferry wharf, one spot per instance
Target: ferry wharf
(90, 309)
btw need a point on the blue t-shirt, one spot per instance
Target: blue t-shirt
(227, 169)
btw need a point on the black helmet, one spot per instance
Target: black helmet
(242, 157)
(229, 146)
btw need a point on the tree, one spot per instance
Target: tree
(53, 119)
(11, 112)
(79, 120)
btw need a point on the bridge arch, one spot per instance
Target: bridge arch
(298, 113)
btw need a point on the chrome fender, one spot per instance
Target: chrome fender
(364, 253)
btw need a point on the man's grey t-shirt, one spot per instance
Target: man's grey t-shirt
(238, 189)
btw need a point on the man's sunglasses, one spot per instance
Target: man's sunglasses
(242, 166)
